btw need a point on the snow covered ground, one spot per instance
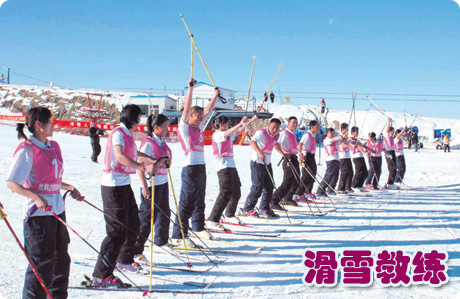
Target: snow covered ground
(412, 220)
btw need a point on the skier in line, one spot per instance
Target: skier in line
(287, 189)
(94, 134)
(193, 191)
(229, 180)
(154, 146)
(375, 162)
(308, 145)
(358, 152)
(331, 147)
(346, 168)
(36, 174)
(390, 156)
(119, 202)
(400, 160)
(262, 144)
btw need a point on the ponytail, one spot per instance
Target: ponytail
(20, 130)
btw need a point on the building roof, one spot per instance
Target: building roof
(203, 83)
(144, 96)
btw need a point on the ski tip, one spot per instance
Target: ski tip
(189, 265)
(145, 293)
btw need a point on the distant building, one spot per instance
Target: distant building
(154, 104)
(203, 93)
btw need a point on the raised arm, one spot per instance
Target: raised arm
(211, 104)
(188, 101)
(389, 125)
(236, 129)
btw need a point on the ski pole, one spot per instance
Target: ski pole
(296, 174)
(417, 113)
(174, 214)
(191, 56)
(3, 216)
(268, 92)
(130, 229)
(319, 184)
(328, 185)
(274, 186)
(223, 100)
(152, 207)
(250, 84)
(378, 108)
(144, 292)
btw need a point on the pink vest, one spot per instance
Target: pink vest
(292, 142)
(195, 139)
(389, 143)
(129, 150)
(377, 147)
(344, 149)
(355, 150)
(226, 148)
(312, 143)
(269, 142)
(48, 167)
(159, 151)
(399, 145)
(331, 149)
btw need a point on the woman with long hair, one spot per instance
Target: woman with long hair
(36, 173)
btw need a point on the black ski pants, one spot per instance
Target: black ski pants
(290, 180)
(96, 151)
(191, 204)
(400, 168)
(346, 175)
(330, 178)
(229, 194)
(360, 172)
(375, 170)
(46, 241)
(261, 185)
(161, 217)
(119, 244)
(307, 179)
(390, 157)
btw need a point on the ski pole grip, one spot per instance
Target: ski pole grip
(2, 214)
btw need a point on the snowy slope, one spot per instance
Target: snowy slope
(404, 220)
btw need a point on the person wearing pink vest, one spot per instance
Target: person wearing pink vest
(287, 189)
(154, 146)
(229, 180)
(262, 143)
(193, 190)
(399, 150)
(390, 156)
(120, 161)
(331, 147)
(358, 152)
(346, 168)
(307, 145)
(36, 173)
(375, 162)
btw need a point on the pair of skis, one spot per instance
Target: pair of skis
(87, 284)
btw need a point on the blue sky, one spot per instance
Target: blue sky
(329, 48)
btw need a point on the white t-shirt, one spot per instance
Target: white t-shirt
(306, 140)
(112, 179)
(344, 153)
(147, 149)
(327, 143)
(22, 170)
(192, 157)
(259, 139)
(283, 140)
(223, 162)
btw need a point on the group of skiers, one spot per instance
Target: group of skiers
(37, 173)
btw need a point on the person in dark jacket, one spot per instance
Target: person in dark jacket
(94, 135)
